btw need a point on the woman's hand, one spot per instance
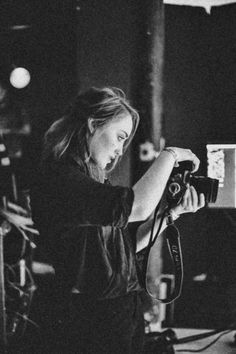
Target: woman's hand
(184, 155)
(191, 202)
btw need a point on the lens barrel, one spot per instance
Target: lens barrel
(206, 185)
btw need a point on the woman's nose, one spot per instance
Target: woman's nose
(119, 151)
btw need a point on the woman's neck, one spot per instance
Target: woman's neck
(92, 169)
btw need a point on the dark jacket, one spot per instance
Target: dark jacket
(83, 225)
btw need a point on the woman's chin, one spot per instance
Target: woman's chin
(101, 165)
(105, 165)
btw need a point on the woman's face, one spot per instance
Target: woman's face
(106, 142)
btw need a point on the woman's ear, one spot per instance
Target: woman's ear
(91, 125)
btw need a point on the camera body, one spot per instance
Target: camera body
(160, 342)
(181, 177)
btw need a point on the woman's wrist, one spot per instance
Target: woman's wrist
(174, 154)
(174, 215)
(171, 217)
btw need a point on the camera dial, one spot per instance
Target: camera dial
(181, 178)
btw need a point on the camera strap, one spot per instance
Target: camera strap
(172, 237)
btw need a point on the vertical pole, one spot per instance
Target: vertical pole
(147, 97)
(156, 63)
(14, 187)
(147, 81)
(3, 340)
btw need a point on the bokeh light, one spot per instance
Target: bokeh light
(19, 77)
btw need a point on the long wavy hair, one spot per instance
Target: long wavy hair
(68, 135)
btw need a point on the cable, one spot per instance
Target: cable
(150, 244)
(205, 347)
(20, 298)
(159, 227)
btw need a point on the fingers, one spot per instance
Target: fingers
(201, 202)
(185, 200)
(191, 201)
(196, 162)
(187, 155)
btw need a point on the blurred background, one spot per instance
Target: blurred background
(177, 65)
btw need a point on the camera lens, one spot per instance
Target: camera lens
(174, 188)
(206, 185)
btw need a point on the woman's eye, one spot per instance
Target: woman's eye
(121, 138)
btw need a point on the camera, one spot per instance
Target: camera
(160, 342)
(181, 177)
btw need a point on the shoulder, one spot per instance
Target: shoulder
(52, 174)
(64, 167)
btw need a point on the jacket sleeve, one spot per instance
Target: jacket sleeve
(81, 198)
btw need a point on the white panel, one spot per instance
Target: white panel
(207, 4)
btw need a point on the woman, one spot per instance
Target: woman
(83, 220)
